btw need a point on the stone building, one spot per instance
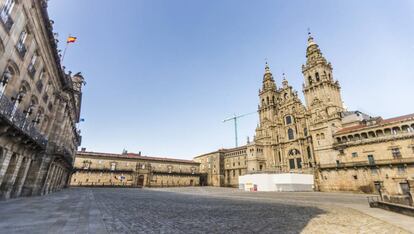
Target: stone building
(39, 103)
(345, 150)
(133, 170)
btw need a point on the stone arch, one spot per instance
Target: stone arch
(13, 66)
(396, 130)
(7, 179)
(405, 128)
(379, 132)
(344, 139)
(21, 177)
(317, 77)
(357, 137)
(387, 131)
(371, 134)
(293, 152)
(364, 135)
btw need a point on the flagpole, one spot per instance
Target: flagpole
(64, 51)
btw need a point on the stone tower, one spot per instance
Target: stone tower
(323, 102)
(267, 95)
(319, 86)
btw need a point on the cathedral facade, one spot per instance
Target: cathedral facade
(345, 150)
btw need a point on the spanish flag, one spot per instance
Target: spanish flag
(71, 39)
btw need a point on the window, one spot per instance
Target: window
(299, 163)
(5, 13)
(20, 46)
(405, 189)
(371, 160)
(292, 163)
(113, 166)
(305, 131)
(396, 153)
(31, 68)
(354, 154)
(308, 149)
(310, 80)
(288, 119)
(401, 169)
(234, 172)
(261, 167)
(317, 77)
(290, 134)
(240, 172)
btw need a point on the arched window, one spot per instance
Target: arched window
(305, 131)
(263, 102)
(310, 80)
(317, 77)
(267, 99)
(290, 134)
(288, 120)
(273, 99)
(286, 96)
(308, 149)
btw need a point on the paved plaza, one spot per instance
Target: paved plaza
(195, 210)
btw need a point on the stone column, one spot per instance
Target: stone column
(37, 175)
(5, 164)
(56, 179)
(12, 180)
(410, 182)
(23, 179)
(49, 177)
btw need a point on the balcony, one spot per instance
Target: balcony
(63, 151)
(7, 21)
(19, 121)
(382, 162)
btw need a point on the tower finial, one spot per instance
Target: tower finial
(310, 38)
(267, 69)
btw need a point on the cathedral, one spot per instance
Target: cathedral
(344, 150)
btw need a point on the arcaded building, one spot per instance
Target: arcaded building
(345, 150)
(39, 103)
(133, 170)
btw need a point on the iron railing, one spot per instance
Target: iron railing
(409, 160)
(18, 119)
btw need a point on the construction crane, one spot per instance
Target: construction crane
(234, 118)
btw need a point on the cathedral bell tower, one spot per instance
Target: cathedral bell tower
(323, 102)
(267, 95)
(320, 89)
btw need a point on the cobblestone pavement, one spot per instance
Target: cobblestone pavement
(184, 210)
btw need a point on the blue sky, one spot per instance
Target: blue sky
(162, 75)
